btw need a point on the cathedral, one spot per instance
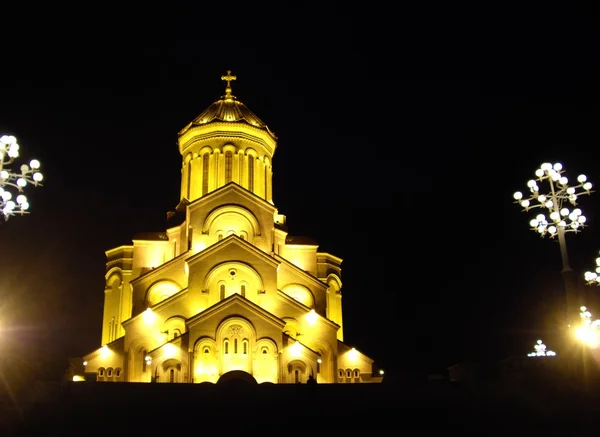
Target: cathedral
(225, 290)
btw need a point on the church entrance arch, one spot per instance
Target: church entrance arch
(170, 371)
(325, 368)
(297, 372)
(139, 370)
(237, 377)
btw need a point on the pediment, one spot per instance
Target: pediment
(293, 303)
(161, 270)
(232, 193)
(235, 305)
(225, 247)
(301, 273)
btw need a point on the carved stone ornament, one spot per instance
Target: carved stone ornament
(235, 330)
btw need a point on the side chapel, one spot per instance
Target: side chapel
(225, 288)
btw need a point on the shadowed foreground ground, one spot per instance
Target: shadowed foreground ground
(238, 408)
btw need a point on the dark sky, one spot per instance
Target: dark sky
(402, 136)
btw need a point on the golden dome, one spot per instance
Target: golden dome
(227, 109)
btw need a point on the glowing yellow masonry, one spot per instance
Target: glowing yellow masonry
(225, 288)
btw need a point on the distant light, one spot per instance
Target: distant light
(540, 351)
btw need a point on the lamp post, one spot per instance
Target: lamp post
(592, 278)
(541, 351)
(555, 197)
(11, 181)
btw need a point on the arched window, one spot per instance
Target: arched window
(235, 344)
(189, 178)
(243, 290)
(206, 350)
(172, 375)
(296, 377)
(144, 362)
(220, 237)
(245, 347)
(222, 291)
(265, 350)
(226, 346)
(109, 372)
(251, 173)
(117, 372)
(266, 195)
(228, 166)
(205, 174)
(101, 372)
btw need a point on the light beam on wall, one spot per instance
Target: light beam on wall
(296, 349)
(149, 316)
(353, 354)
(169, 350)
(104, 351)
(312, 317)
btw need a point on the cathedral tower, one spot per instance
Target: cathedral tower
(226, 143)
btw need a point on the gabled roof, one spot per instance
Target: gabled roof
(118, 345)
(157, 305)
(176, 340)
(301, 306)
(233, 240)
(160, 268)
(306, 347)
(344, 347)
(301, 272)
(239, 300)
(229, 187)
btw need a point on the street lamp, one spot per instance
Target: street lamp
(540, 351)
(588, 331)
(592, 277)
(555, 198)
(12, 181)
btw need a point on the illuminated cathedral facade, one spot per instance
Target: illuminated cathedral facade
(225, 287)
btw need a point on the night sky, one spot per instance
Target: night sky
(438, 115)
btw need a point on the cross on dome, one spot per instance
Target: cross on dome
(228, 78)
